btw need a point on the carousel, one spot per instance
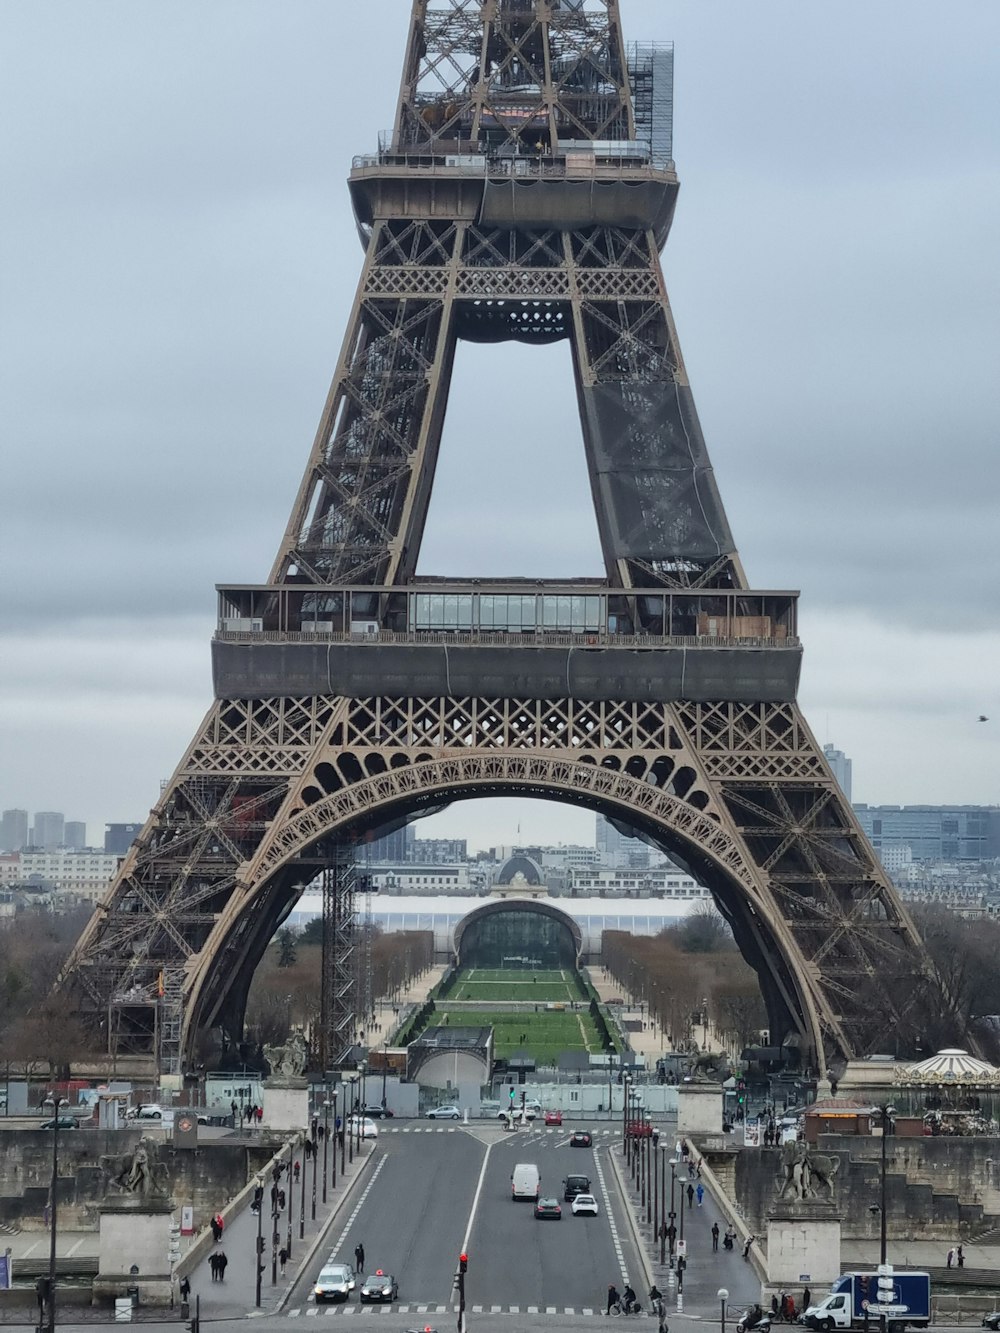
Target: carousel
(955, 1092)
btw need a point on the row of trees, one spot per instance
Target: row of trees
(689, 970)
(37, 1035)
(694, 967)
(287, 986)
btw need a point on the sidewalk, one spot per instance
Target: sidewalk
(235, 1295)
(706, 1270)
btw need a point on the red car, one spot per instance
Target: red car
(553, 1117)
(639, 1129)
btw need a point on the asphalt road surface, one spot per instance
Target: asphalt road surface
(438, 1190)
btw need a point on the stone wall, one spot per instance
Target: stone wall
(936, 1188)
(204, 1177)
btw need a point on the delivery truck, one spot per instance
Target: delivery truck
(862, 1300)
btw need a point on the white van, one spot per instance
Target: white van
(525, 1181)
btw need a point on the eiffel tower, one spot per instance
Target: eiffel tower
(525, 192)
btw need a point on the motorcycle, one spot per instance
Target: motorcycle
(754, 1321)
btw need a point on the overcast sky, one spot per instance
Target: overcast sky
(178, 260)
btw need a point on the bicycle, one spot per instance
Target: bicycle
(619, 1308)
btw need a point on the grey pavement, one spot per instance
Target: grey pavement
(706, 1271)
(235, 1295)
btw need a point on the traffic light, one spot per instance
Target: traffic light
(463, 1263)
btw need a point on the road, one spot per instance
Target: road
(436, 1190)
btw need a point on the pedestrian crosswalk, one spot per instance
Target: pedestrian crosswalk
(483, 1124)
(356, 1311)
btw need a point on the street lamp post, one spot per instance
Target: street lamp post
(349, 1122)
(343, 1133)
(885, 1115)
(259, 1250)
(334, 1153)
(673, 1214)
(655, 1203)
(723, 1295)
(314, 1128)
(302, 1190)
(326, 1139)
(275, 1220)
(57, 1103)
(291, 1197)
(663, 1205)
(650, 1179)
(626, 1083)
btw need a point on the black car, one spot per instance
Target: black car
(379, 1286)
(581, 1139)
(548, 1208)
(992, 1320)
(574, 1185)
(378, 1112)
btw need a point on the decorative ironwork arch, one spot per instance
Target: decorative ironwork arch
(374, 800)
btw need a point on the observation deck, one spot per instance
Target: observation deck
(582, 184)
(541, 640)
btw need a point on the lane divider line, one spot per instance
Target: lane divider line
(358, 1206)
(616, 1239)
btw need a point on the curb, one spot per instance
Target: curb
(637, 1238)
(361, 1174)
(204, 1240)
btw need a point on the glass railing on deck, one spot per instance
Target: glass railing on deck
(522, 612)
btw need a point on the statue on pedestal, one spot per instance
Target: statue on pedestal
(139, 1173)
(288, 1061)
(804, 1171)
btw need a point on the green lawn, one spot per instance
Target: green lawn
(511, 984)
(546, 1034)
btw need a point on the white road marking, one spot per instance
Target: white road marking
(294, 1314)
(357, 1207)
(615, 1238)
(313, 1310)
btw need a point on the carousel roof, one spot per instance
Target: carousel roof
(951, 1066)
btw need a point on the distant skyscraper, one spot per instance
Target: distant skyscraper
(841, 766)
(618, 849)
(48, 830)
(118, 838)
(934, 832)
(13, 830)
(396, 846)
(75, 835)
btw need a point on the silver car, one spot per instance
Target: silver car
(335, 1283)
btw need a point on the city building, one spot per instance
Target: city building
(394, 847)
(841, 766)
(75, 837)
(959, 833)
(404, 877)
(84, 874)
(619, 849)
(48, 830)
(656, 882)
(118, 838)
(13, 830)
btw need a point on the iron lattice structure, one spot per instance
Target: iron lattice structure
(525, 193)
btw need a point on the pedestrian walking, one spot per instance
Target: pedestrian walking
(951, 1257)
(222, 1265)
(612, 1297)
(747, 1245)
(690, 1194)
(216, 1230)
(282, 1199)
(806, 1299)
(233, 1107)
(213, 1263)
(960, 1257)
(691, 1170)
(282, 1259)
(359, 1258)
(297, 1168)
(700, 1191)
(715, 1237)
(185, 1287)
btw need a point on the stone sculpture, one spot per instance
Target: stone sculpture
(802, 1171)
(139, 1173)
(288, 1061)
